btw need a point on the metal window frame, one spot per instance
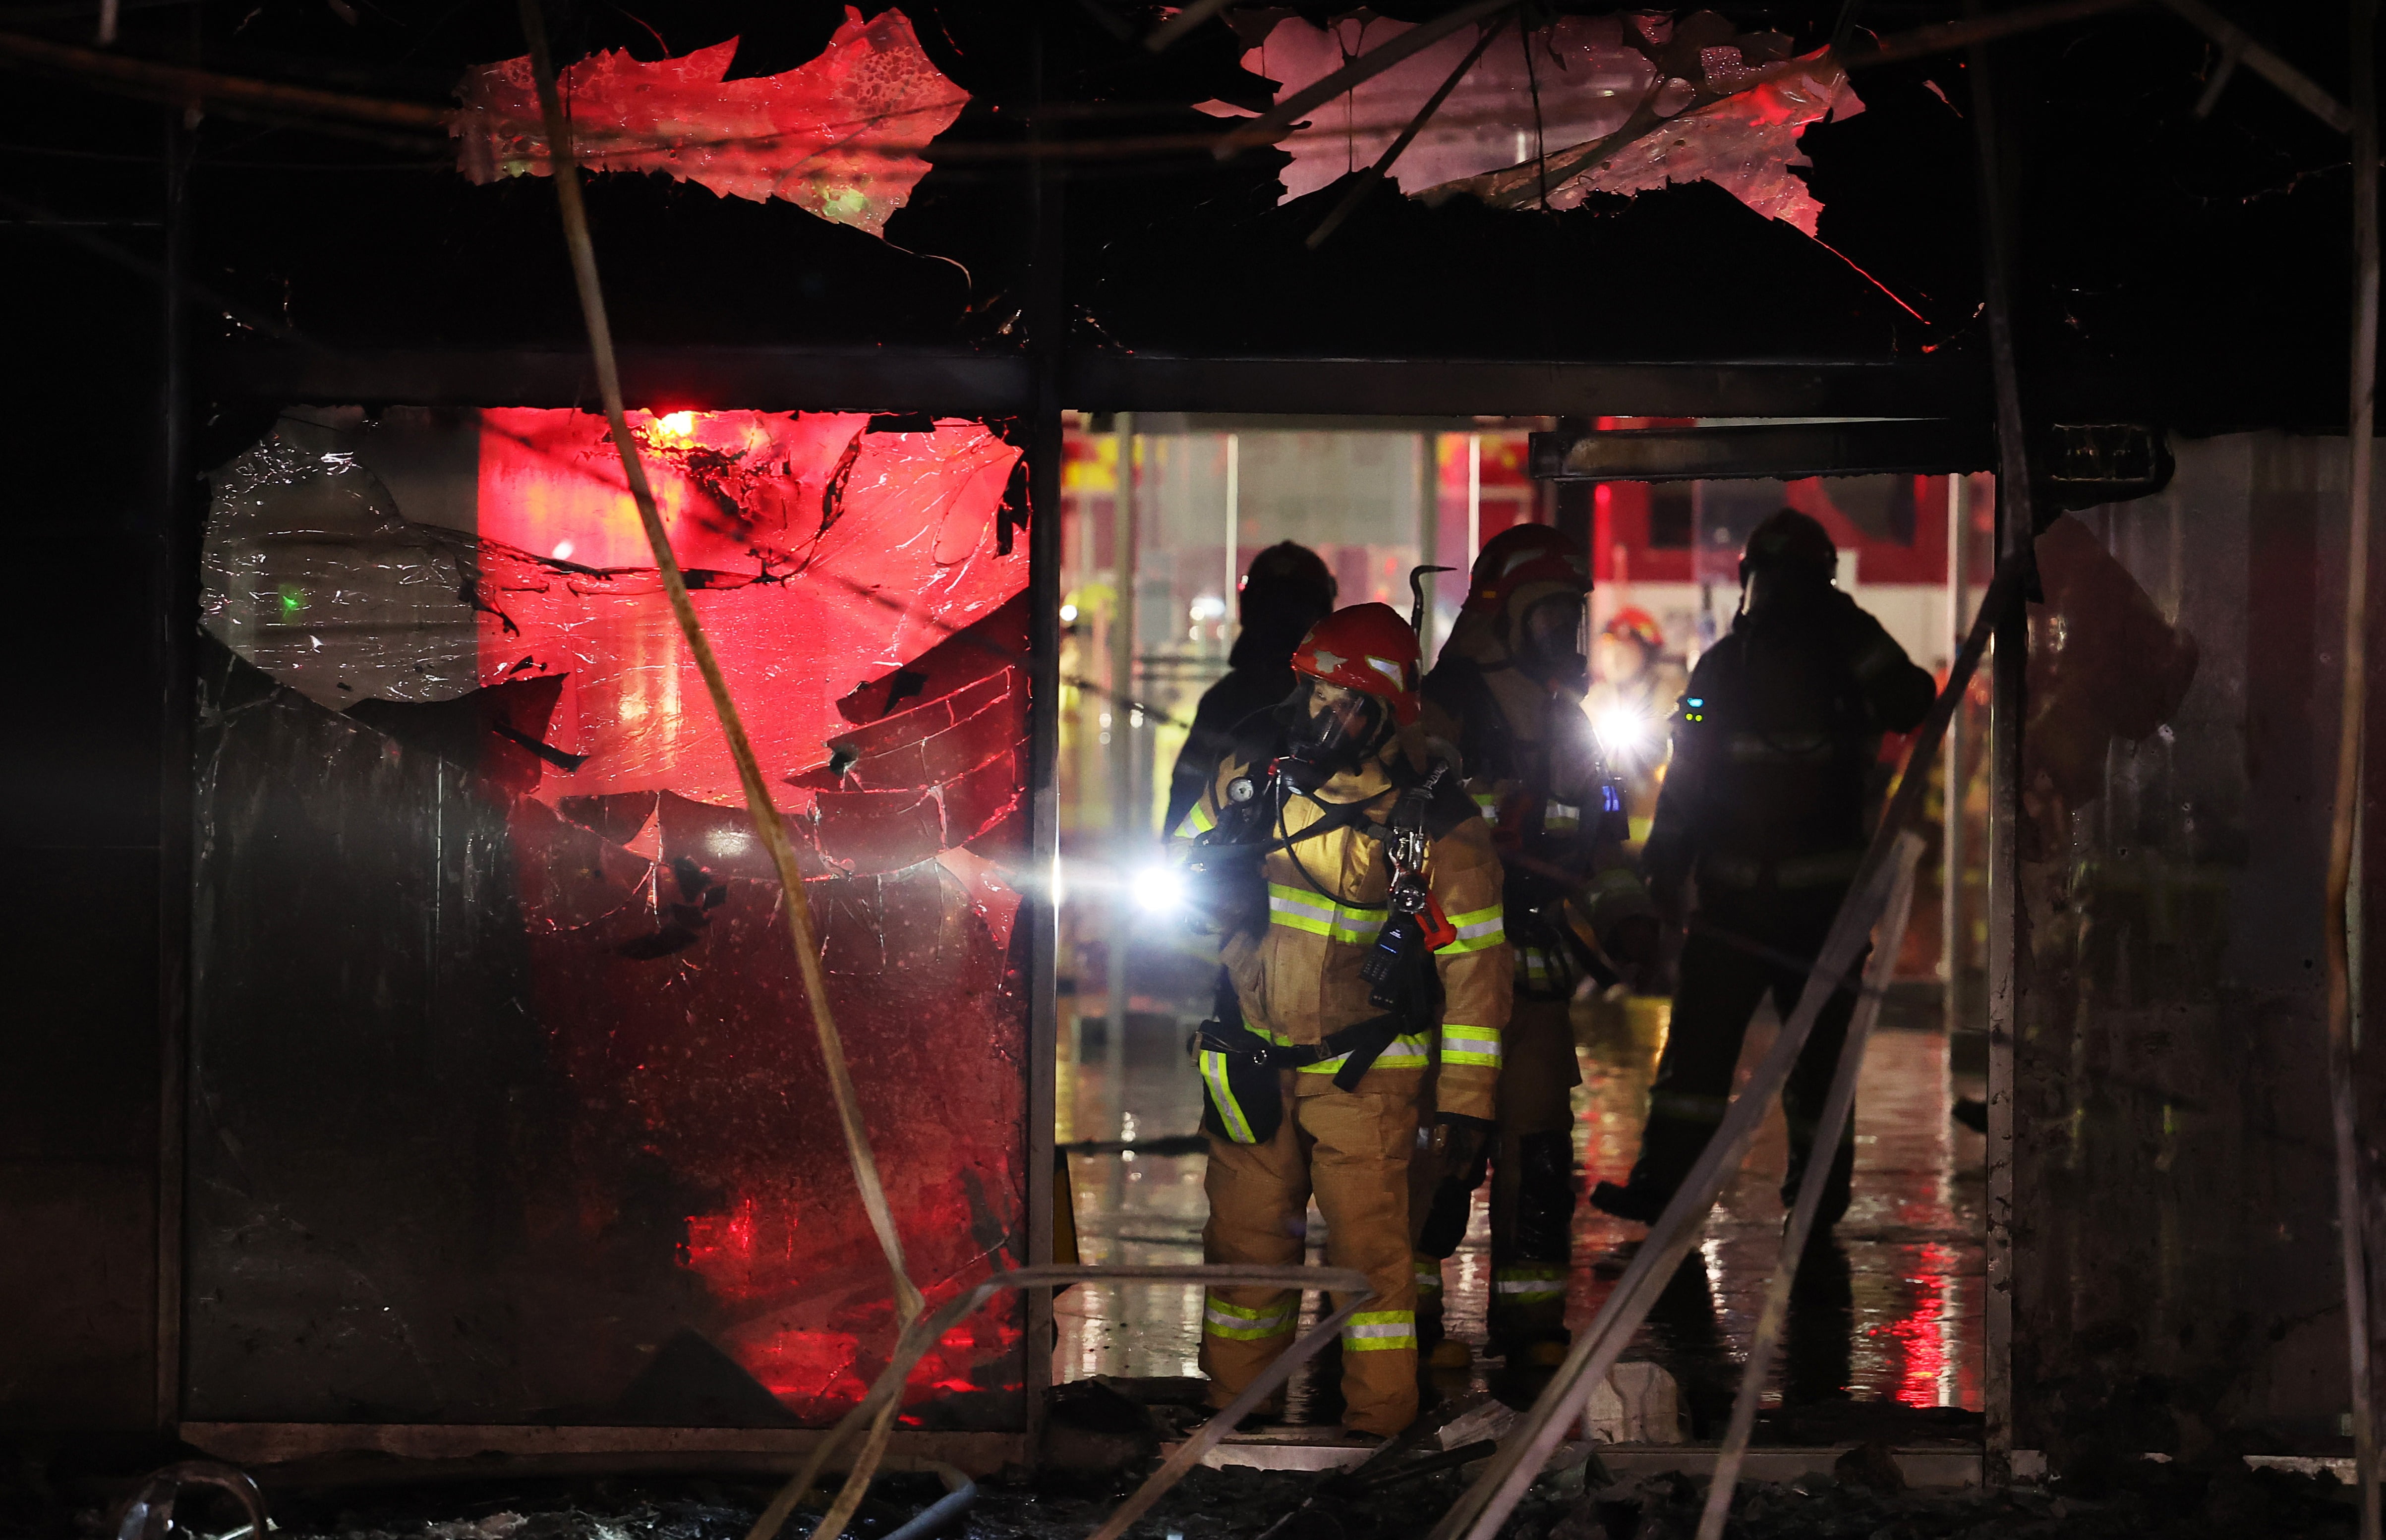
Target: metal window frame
(957, 381)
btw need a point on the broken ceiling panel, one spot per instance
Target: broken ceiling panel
(1587, 78)
(819, 556)
(1745, 143)
(837, 136)
(1606, 103)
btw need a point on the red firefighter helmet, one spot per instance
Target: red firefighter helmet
(1633, 624)
(1366, 648)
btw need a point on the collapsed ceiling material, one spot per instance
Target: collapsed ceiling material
(837, 136)
(821, 555)
(1612, 104)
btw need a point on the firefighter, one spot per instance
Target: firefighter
(1633, 688)
(1286, 591)
(1508, 690)
(1357, 897)
(1766, 806)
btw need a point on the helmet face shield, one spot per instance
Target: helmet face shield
(1333, 729)
(1553, 631)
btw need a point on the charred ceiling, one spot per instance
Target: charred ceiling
(2192, 261)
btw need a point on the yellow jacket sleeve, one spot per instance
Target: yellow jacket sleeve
(1477, 969)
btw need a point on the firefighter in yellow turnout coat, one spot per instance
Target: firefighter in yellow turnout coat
(1359, 900)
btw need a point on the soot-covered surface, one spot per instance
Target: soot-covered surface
(1580, 1503)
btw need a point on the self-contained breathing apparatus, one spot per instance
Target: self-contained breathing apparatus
(1239, 1066)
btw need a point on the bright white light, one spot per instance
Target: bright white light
(1208, 606)
(1159, 889)
(1068, 615)
(1622, 731)
(563, 550)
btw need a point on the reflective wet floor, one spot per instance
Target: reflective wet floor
(1887, 1316)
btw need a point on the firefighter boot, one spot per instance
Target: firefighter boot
(1533, 1198)
(1669, 1147)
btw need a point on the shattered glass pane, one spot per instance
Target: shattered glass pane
(836, 136)
(507, 1105)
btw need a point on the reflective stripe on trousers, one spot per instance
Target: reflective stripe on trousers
(1240, 1324)
(1379, 1331)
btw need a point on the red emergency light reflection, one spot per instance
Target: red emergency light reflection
(1922, 1331)
(854, 586)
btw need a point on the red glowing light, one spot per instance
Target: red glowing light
(854, 588)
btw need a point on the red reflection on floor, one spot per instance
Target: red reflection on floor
(1922, 1333)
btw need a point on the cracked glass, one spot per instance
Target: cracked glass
(506, 1103)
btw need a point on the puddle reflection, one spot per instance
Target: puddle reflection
(1888, 1311)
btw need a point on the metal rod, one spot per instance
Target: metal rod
(1183, 22)
(1837, 1105)
(1484, 1507)
(2016, 528)
(1945, 37)
(1428, 535)
(180, 513)
(1232, 626)
(1046, 339)
(1373, 175)
(1126, 823)
(759, 805)
(1279, 120)
(2237, 45)
(1474, 501)
(2342, 854)
(1480, 1512)
(1951, 951)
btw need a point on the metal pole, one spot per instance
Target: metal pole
(2361, 428)
(1234, 543)
(1474, 500)
(2016, 533)
(1428, 535)
(180, 513)
(1046, 329)
(1950, 851)
(1126, 826)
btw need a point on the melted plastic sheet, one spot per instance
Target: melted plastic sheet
(1722, 107)
(2177, 1283)
(507, 1104)
(836, 136)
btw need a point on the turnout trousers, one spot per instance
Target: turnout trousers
(1741, 948)
(1351, 1150)
(1533, 1187)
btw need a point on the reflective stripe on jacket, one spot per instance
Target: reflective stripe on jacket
(1299, 982)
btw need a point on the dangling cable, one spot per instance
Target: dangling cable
(759, 802)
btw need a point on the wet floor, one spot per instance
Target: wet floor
(1890, 1314)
